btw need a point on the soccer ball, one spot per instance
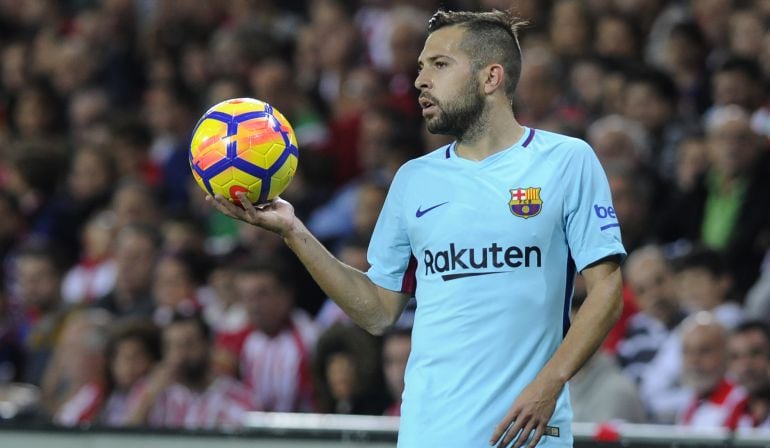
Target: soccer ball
(243, 144)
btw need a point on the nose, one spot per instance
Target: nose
(421, 82)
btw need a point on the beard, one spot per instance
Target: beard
(460, 117)
(193, 372)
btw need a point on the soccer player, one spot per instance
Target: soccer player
(487, 233)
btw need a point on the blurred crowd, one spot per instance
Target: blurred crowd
(126, 300)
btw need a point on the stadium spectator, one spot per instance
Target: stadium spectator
(650, 279)
(133, 348)
(175, 283)
(748, 350)
(276, 355)
(133, 202)
(651, 98)
(39, 272)
(701, 285)
(692, 163)
(182, 392)
(704, 362)
(346, 370)
(396, 345)
(93, 277)
(720, 211)
(11, 341)
(136, 247)
(74, 379)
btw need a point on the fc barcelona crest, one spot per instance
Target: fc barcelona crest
(525, 202)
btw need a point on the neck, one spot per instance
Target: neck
(495, 130)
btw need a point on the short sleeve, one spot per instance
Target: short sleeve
(592, 227)
(390, 253)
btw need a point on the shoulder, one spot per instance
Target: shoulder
(414, 169)
(559, 146)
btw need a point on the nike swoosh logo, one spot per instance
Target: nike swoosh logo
(422, 212)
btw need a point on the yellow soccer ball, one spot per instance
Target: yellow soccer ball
(243, 144)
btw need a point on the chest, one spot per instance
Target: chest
(507, 204)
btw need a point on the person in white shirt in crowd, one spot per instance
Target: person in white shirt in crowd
(713, 397)
(183, 391)
(276, 355)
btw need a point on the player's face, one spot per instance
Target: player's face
(450, 94)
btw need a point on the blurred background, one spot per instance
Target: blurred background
(127, 301)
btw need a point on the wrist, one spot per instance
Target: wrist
(292, 232)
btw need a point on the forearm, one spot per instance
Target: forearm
(350, 288)
(590, 326)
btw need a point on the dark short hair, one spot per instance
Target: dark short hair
(747, 66)
(701, 258)
(140, 330)
(192, 317)
(274, 266)
(662, 84)
(491, 37)
(753, 325)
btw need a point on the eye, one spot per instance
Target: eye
(440, 64)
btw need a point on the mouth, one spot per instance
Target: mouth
(427, 105)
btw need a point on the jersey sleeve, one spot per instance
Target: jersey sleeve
(592, 227)
(390, 252)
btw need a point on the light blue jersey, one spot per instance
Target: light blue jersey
(490, 250)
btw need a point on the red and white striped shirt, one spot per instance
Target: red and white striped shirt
(277, 369)
(223, 404)
(714, 410)
(81, 408)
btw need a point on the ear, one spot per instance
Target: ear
(494, 76)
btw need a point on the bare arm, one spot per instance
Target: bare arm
(601, 309)
(372, 307)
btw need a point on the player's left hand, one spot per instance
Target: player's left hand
(530, 413)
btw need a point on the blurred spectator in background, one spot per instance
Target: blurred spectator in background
(132, 351)
(700, 285)
(276, 355)
(11, 341)
(182, 392)
(93, 277)
(346, 368)
(748, 350)
(89, 183)
(396, 346)
(38, 274)
(650, 278)
(136, 248)
(704, 362)
(74, 379)
(721, 210)
(175, 283)
(650, 97)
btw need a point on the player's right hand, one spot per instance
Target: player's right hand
(276, 216)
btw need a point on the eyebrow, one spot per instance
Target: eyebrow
(433, 58)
